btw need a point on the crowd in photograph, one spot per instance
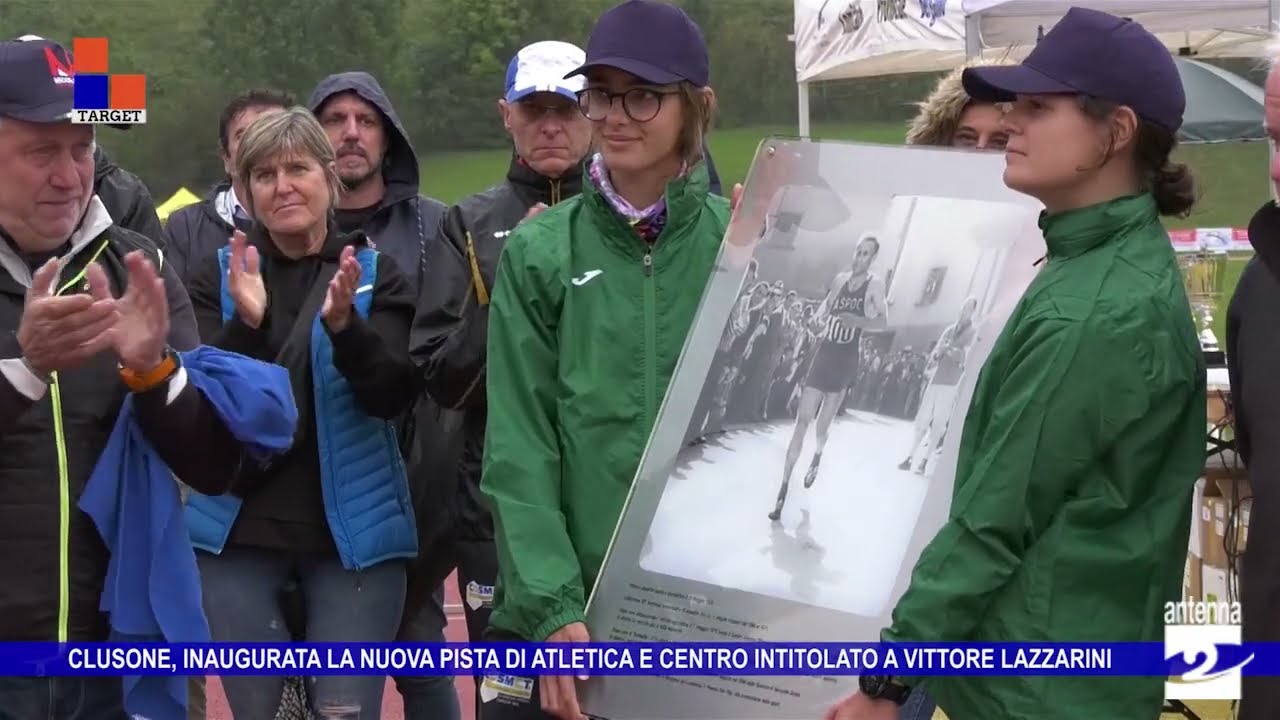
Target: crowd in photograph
(768, 346)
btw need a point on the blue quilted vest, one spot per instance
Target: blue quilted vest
(362, 475)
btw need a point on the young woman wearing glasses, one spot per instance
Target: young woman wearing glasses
(592, 302)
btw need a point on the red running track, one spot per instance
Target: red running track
(391, 708)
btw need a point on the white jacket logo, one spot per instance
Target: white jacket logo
(587, 277)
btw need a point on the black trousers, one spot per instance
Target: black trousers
(510, 698)
(512, 703)
(477, 564)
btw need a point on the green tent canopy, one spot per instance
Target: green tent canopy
(1221, 106)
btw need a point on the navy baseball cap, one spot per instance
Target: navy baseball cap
(653, 40)
(1092, 53)
(37, 83)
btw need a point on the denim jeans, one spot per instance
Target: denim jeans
(476, 562)
(919, 706)
(67, 698)
(242, 601)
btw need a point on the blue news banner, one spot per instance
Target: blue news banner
(590, 659)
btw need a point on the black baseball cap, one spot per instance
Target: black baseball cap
(37, 83)
(653, 40)
(1090, 52)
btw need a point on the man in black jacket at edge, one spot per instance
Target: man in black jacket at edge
(1253, 356)
(69, 356)
(551, 138)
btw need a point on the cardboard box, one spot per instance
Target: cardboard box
(1214, 588)
(1195, 542)
(1242, 523)
(1219, 518)
(1191, 579)
(1213, 528)
(1216, 409)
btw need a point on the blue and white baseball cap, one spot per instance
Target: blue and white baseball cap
(541, 67)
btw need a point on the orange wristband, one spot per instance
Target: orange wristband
(142, 382)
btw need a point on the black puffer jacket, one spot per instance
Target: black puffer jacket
(451, 326)
(55, 562)
(448, 341)
(126, 198)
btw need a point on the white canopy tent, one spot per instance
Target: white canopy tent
(840, 39)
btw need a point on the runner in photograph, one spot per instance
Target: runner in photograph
(856, 301)
(946, 368)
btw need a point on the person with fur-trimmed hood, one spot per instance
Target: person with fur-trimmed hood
(948, 117)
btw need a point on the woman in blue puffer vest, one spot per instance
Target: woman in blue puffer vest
(335, 512)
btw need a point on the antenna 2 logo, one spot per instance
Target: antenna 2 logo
(1204, 662)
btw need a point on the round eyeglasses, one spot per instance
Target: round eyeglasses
(640, 104)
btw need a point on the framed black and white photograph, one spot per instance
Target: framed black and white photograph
(804, 453)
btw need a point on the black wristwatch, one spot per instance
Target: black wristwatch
(882, 687)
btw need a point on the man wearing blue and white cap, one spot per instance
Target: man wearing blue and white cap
(550, 139)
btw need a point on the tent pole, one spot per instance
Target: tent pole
(972, 39)
(802, 97)
(1273, 16)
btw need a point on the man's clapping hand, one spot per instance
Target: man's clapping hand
(61, 332)
(535, 210)
(142, 314)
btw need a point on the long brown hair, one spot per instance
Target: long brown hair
(699, 109)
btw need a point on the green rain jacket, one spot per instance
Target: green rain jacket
(586, 324)
(1077, 464)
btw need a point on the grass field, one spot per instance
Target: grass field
(1232, 176)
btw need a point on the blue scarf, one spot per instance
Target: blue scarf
(152, 591)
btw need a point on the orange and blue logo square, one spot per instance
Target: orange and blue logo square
(100, 95)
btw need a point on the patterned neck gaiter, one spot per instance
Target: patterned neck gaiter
(647, 222)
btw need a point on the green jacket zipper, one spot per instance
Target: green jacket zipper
(650, 340)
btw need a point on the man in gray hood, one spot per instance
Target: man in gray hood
(378, 168)
(380, 179)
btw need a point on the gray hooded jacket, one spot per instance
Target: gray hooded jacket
(405, 220)
(403, 226)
